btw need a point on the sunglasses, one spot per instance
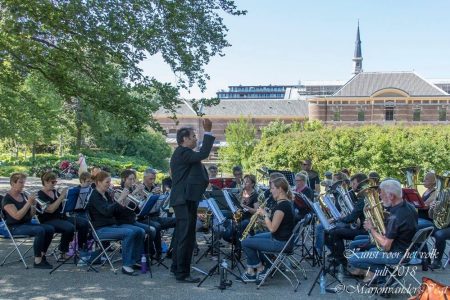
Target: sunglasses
(54, 181)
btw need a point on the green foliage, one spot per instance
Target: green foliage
(43, 162)
(241, 140)
(385, 149)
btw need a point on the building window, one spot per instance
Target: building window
(442, 114)
(389, 113)
(361, 115)
(416, 114)
(337, 115)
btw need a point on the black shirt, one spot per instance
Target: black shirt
(250, 201)
(101, 209)
(284, 231)
(8, 199)
(313, 179)
(357, 212)
(46, 216)
(401, 225)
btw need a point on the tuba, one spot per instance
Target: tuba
(373, 209)
(412, 177)
(130, 202)
(441, 210)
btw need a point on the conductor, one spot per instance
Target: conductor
(189, 182)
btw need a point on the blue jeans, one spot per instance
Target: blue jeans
(132, 238)
(374, 259)
(358, 241)
(424, 223)
(254, 245)
(43, 235)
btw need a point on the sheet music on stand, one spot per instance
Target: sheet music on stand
(215, 210)
(322, 218)
(234, 206)
(71, 201)
(290, 176)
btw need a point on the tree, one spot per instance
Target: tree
(80, 46)
(241, 140)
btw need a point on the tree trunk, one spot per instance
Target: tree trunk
(78, 124)
(33, 152)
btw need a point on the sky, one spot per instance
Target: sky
(282, 42)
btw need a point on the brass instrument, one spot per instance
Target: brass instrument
(344, 199)
(130, 202)
(40, 205)
(373, 210)
(441, 210)
(412, 177)
(252, 222)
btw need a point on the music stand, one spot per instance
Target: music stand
(290, 176)
(145, 209)
(234, 207)
(69, 206)
(324, 269)
(219, 266)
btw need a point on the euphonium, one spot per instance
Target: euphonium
(373, 210)
(41, 205)
(130, 202)
(252, 222)
(441, 210)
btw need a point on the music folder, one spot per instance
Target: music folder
(148, 205)
(71, 200)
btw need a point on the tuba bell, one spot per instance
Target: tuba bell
(373, 209)
(441, 211)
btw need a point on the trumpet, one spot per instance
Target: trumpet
(130, 202)
(40, 205)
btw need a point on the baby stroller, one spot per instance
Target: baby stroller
(67, 171)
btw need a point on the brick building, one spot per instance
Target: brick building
(380, 97)
(259, 112)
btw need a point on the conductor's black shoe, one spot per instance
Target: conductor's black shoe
(189, 279)
(436, 265)
(128, 271)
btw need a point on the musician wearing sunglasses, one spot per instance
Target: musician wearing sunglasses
(280, 224)
(54, 217)
(313, 176)
(126, 216)
(237, 180)
(18, 210)
(102, 208)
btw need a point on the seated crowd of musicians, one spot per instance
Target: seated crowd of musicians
(362, 204)
(112, 218)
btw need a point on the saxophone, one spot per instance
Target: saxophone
(253, 220)
(441, 210)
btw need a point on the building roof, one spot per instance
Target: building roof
(250, 107)
(365, 84)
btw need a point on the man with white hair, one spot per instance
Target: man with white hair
(401, 225)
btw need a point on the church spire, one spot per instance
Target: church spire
(357, 59)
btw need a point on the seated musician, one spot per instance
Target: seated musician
(401, 225)
(441, 235)
(18, 211)
(301, 208)
(237, 180)
(126, 216)
(429, 196)
(249, 202)
(154, 219)
(280, 224)
(102, 208)
(345, 228)
(61, 223)
(320, 231)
